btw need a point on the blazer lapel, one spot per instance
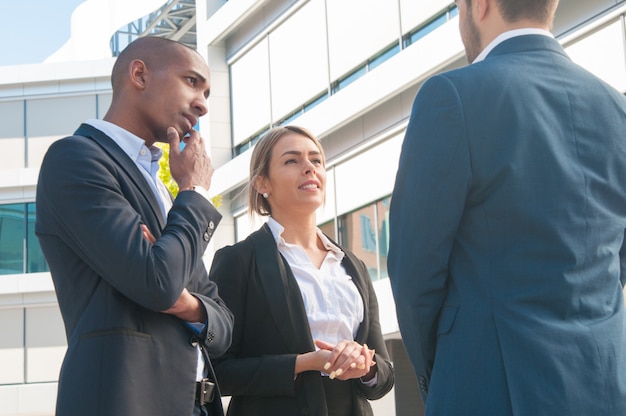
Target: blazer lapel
(282, 292)
(350, 264)
(119, 157)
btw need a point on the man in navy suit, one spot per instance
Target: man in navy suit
(141, 316)
(507, 256)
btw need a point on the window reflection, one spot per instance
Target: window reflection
(19, 247)
(36, 261)
(11, 238)
(365, 232)
(329, 229)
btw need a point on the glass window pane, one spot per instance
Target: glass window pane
(329, 229)
(382, 212)
(250, 86)
(291, 84)
(12, 239)
(35, 260)
(414, 13)
(358, 234)
(358, 29)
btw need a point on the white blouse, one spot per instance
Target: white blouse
(333, 304)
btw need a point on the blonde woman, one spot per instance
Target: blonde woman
(307, 337)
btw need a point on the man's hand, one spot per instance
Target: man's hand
(188, 308)
(192, 166)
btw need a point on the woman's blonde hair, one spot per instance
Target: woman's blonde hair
(260, 164)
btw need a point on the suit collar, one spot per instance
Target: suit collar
(129, 167)
(527, 43)
(509, 35)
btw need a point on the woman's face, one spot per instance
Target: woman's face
(296, 183)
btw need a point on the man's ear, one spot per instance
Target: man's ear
(482, 8)
(137, 72)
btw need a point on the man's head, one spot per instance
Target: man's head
(158, 83)
(481, 21)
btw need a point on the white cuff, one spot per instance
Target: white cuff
(202, 192)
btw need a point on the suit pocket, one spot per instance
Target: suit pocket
(115, 332)
(446, 319)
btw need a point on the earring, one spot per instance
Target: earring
(265, 195)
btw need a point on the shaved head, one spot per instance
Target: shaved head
(155, 52)
(158, 83)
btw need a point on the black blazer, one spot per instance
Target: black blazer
(271, 328)
(124, 356)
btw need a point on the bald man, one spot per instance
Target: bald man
(141, 317)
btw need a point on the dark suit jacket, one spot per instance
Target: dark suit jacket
(507, 237)
(124, 357)
(271, 328)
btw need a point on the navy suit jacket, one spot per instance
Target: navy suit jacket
(271, 328)
(507, 237)
(124, 356)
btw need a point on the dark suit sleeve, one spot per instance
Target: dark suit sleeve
(89, 204)
(426, 207)
(245, 370)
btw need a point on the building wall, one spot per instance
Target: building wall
(347, 70)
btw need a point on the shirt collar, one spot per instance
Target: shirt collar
(130, 143)
(278, 229)
(508, 35)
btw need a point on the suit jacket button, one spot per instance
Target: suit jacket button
(206, 237)
(210, 336)
(423, 384)
(211, 225)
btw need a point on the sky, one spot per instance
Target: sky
(32, 30)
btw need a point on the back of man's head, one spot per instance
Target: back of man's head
(541, 11)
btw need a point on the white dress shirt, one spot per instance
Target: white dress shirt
(333, 304)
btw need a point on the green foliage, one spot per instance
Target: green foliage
(166, 175)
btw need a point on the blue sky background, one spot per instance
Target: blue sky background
(32, 30)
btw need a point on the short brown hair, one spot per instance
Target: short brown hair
(260, 163)
(537, 10)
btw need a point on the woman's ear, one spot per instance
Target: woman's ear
(260, 184)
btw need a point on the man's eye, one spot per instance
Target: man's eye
(191, 80)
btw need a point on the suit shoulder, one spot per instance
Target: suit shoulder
(238, 249)
(70, 145)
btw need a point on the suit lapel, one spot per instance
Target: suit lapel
(130, 168)
(282, 292)
(350, 264)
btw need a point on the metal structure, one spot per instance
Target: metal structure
(175, 20)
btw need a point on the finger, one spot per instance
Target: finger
(174, 140)
(349, 353)
(323, 345)
(147, 234)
